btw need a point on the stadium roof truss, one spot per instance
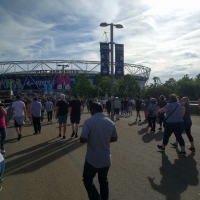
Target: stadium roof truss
(88, 67)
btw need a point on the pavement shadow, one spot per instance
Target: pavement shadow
(176, 177)
(142, 123)
(66, 125)
(39, 156)
(10, 126)
(143, 130)
(15, 139)
(148, 137)
(131, 124)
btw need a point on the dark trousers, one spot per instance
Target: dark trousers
(89, 173)
(3, 136)
(42, 116)
(49, 115)
(177, 129)
(161, 119)
(36, 124)
(187, 129)
(152, 122)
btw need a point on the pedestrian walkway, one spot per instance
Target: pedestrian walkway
(46, 167)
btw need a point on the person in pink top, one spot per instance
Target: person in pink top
(3, 112)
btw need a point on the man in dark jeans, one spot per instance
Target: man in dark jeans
(98, 131)
(36, 107)
(108, 107)
(49, 108)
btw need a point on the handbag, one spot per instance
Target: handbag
(165, 119)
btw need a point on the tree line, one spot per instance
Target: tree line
(186, 86)
(127, 86)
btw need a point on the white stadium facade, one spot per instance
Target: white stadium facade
(33, 75)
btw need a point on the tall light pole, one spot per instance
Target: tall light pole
(63, 72)
(104, 24)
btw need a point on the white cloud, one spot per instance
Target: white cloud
(162, 35)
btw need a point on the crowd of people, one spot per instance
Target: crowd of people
(98, 131)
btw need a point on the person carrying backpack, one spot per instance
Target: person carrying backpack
(152, 112)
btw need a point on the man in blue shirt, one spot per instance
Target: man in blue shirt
(98, 131)
(36, 107)
(49, 109)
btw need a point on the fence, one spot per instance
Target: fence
(9, 114)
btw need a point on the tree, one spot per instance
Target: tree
(154, 92)
(185, 87)
(127, 86)
(83, 86)
(171, 83)
(157, 81)
(197, 77)
(104, 85)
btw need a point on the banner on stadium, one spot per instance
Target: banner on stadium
(67, 82)
(50, 88)
(104, 53)
(119, 60)
(45, 88)
(59, 81)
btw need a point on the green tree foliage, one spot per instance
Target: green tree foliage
(127, 86)
(104, 85)
(171, 83)
(83, 86)
(158, 90)
(185, 86)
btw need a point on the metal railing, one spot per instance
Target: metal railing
(9, 114)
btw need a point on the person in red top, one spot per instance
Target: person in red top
(3, 112)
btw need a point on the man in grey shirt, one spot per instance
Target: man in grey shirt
(98, 131)
(117, 105)
(36, 107)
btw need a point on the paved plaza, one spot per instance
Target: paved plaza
(46, 167)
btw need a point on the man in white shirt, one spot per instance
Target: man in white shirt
(19, 110)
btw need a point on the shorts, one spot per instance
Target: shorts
(138, 109)
(108, 111)
(75, 119)
(130, 109)
(19, 123)
(62, 119)
(16, 124)
(117, 111)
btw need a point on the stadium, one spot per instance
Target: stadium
(41, 76)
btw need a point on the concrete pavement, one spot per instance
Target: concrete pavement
(46, 167)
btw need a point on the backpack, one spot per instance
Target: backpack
(151, 111)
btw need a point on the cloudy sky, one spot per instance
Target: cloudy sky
(163, 35)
